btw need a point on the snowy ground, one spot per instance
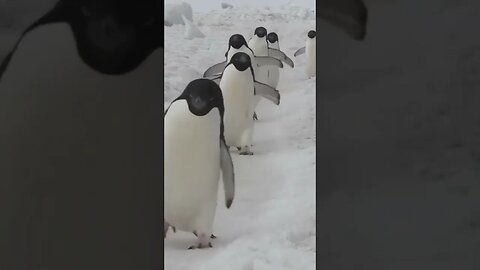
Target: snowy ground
(271, 224)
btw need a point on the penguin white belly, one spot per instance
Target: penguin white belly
(238, 96)
(310, 51)
(192, 167)
(60, 66)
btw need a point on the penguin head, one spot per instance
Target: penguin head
(272, 37)
(311, 34)
(241, 61)
(113, 36)
(202, 95)
(260, 32)
(237, 41)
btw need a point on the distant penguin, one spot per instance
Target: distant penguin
(80, 124)
(349, 15)
(259, 45)
(195, 153)
(237, 43)
(273, 72)
(239, 89)
(310, 50)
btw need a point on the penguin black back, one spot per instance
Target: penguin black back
(272, 37)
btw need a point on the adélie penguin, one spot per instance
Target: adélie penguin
(80, 129)
(239, 88)
(259, 45)
(195, 153)
(237, 43)
(310, 50)
(273, 74)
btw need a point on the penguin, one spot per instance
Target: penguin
(310, 50)
(351, 16)
(237, 43)
(80, 124)
(273, 73)
(239, 88)
(195, 153)
(259, 45)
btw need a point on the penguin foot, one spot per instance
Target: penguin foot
(245, 151)
(200, 246)
(211, 236)
(203, 241)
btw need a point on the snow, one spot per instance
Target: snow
(271, 224)
(174, 12)
(191, 31)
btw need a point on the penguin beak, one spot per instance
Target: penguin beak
(199, 103)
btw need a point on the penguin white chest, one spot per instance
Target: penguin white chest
(238, 95)
(192, 166)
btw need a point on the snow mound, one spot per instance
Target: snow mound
(191, 31)
(174, 12)
(226, 6)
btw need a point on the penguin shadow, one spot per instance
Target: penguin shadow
(270, 118)
(181, 241)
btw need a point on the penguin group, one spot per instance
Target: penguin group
(217, 112)
(213, 114)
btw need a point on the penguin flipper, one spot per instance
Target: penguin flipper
(217, 78)
(268, 61)
(281, 56)
(267, 92)
(215, 69)
(227, 173)
(351, 16)
(299, 51)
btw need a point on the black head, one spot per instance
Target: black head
(311, 34)
(113, 36)
(202, 95)
(272, 37)
(260, 31)
(236, 41)
(241, 61)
